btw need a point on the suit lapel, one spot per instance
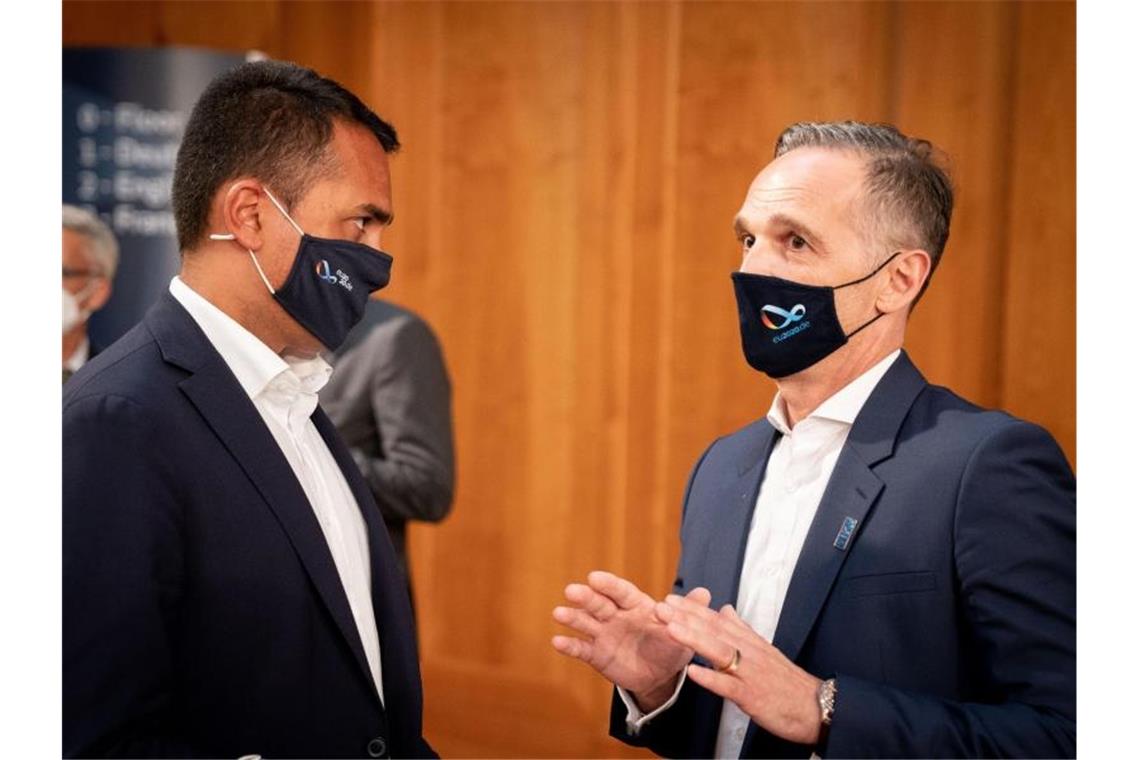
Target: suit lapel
(735, 504)
(389, 597)
(846, 503)
(830, 539)
(215, 392)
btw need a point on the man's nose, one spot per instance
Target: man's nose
(758, 259)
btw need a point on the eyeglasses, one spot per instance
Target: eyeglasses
(71, 274)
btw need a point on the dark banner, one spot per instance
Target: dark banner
(124, 110)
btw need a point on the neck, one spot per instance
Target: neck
(803, 392)
(72, 338)
(214, 281)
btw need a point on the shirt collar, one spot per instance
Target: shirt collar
(253, 363)
(844, 405)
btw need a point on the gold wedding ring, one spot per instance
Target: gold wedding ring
(733, 665)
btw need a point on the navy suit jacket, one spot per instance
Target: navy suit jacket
(202, 610)
(948, 618)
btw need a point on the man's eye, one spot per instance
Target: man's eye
(361, 222)
(748, 241)
(797, 242)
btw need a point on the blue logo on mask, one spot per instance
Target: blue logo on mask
(325, 272)
(795, 315)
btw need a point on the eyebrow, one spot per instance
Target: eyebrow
(380, 215)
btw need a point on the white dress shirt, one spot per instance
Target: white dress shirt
(797, 474)
(284, 392)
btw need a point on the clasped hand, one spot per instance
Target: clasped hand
(641, 645)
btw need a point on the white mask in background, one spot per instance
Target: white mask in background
(73, 313)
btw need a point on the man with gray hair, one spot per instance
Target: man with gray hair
(876, 568)
(90, 255)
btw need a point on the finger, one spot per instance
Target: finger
(721, 684)
(700, 595)
(729, 614)
(577, 619)
(689, 606)
(745, 637)
(598, 605)
(622, 592)
(665, 612)
(572, 647)
(702, 639)
(726, 622)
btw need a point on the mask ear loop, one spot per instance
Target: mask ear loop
(296, 226)
(868, 323)
(230, 236)
(874, 272)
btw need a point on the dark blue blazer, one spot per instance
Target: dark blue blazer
(202, 612)
(948, 618)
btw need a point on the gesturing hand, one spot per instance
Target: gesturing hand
(623, 638)
(775, 692)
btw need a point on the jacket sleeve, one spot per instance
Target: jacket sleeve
(122, 573)
(674, 732)
(1015, 556)
(413, 478)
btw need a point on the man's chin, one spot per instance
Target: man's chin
(304, 346)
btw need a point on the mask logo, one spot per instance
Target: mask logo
(324, 272)
(795, 315)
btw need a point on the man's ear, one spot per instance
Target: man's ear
(238, 210)
(908, 272)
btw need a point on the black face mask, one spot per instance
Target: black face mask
(328, 287)
(785, 326)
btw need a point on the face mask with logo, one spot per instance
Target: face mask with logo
(785, 326)
(328, 287)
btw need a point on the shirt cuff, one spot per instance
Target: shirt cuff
(635, 719)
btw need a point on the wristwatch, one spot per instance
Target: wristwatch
(826, 695)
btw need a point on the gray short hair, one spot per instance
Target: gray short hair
(909, 196)
(104, 247)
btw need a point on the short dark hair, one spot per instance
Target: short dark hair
(909, 195)
(268, 119)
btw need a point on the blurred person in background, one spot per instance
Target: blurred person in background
(390, 399)
(877, 567)
(90, 255)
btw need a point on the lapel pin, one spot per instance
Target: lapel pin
(844, 536)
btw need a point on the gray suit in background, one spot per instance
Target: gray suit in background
(390, 398)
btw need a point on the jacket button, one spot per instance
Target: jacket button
(377, 748)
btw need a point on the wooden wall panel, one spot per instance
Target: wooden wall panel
(564, 201)
(955, 333)
(1038, 378)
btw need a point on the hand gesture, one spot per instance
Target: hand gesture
(775, 692)
(622, 637)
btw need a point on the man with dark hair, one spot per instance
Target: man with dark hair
(878, 568)
(228, 585)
